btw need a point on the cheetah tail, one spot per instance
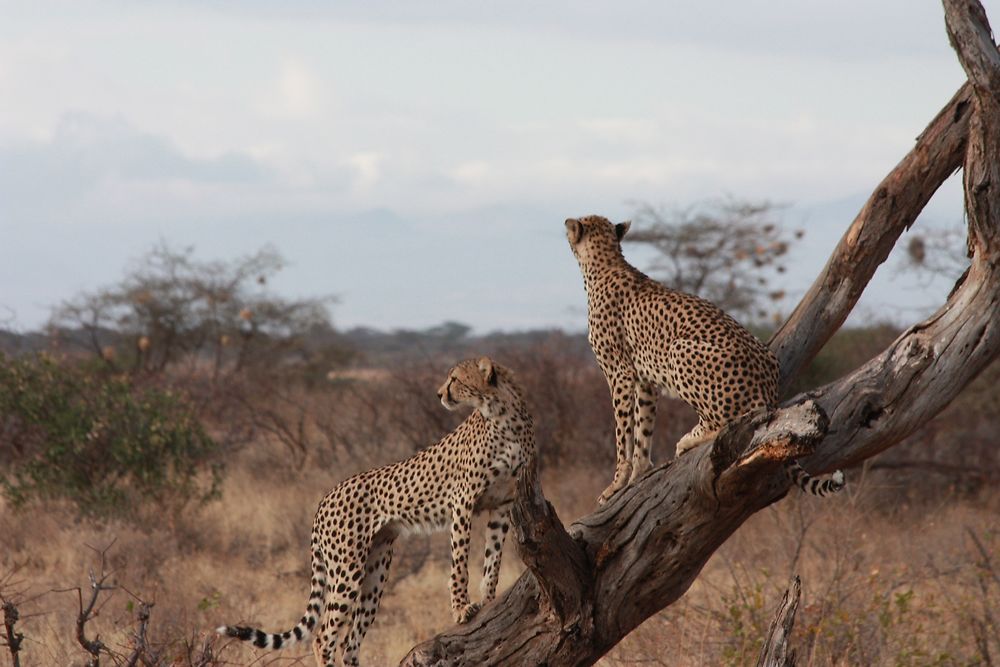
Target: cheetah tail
(813, 485)
(301, 632)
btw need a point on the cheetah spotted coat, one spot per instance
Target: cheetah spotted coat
(649, 339)
(471, 470)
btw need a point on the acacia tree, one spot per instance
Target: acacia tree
(172, 307)
(725, 251)
(586, 588)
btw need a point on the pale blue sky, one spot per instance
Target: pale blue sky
(418, 159)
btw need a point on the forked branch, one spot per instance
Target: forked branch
(643, 549)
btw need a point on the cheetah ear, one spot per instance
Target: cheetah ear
(574, 230)
(489, 373)
(621, 228)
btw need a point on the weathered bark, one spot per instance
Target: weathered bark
(890, 210)
(633, 556)
(641, 552)
(776, 652)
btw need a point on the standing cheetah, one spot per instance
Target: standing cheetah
(650, 339)
(472, 469)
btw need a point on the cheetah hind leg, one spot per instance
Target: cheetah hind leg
(696, 436)
(340, 600)
(372, 587)
(645, 417)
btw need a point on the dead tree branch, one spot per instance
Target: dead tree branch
(87, 613)
(775, 652)
(92, 646)
(641, 552)
(141, 649)
(10, 617)
(890, 210)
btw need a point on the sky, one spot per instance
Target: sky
(417, 160)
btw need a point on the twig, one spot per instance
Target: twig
(92, 646)
(986, 564)
(97, 585)
(141, 648)
(14, 639)
(986, 568)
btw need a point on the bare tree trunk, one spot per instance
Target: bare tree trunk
(586, 589)
(775, 652)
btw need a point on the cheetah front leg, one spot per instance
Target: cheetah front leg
(696, 436)
(461, 529)
(645, 417)
(496, 532)
(622, 399)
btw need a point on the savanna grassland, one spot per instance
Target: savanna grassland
(903, 568)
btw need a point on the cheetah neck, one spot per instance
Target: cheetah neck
(511, 419)
(597, 270)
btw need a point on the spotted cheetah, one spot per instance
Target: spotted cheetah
(649, 339)
(472, 469)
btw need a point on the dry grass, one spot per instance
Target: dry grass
(891, 576)
(881, 587)
(905, 586)
(240, 559)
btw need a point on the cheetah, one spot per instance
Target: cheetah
(651, 340)
(472, 469)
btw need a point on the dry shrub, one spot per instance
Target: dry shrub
(891, 574)
(74, 432)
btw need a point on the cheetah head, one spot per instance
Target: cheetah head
(478, 383)
(594, 238)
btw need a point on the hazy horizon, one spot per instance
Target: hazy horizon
(417, 160)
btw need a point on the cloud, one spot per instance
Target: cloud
(95, 147)
(366, 169)
(473, 173)
(630, 130)
(777, 27)
(484, 125)
(296, 94)
(87, 151)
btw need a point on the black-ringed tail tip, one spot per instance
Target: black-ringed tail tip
(262, 639)
(814, 485)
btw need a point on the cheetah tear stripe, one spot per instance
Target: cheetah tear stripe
(814, 485)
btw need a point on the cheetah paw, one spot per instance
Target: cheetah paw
(466, 613)
(609, 493)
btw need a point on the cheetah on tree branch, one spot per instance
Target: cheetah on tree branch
(650, 339)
